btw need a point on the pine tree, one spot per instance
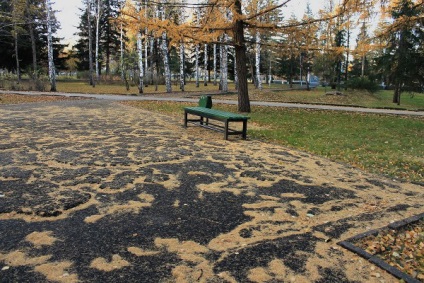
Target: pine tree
(403, 59)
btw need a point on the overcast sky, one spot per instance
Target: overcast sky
(68, 14)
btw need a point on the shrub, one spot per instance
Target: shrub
(363, 84)
(37, 84)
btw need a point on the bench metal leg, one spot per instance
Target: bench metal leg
(185, 119)
(244, 129)
(226, 130)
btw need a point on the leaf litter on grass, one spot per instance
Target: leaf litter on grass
(402, 248)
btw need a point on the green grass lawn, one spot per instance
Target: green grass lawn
(383, 144)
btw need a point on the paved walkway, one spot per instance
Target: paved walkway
(180, 98)
(95, 191)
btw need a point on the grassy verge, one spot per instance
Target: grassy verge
(383, 144)
(17, 99)
(274, 92)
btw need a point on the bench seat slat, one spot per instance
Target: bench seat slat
(204, 110)
(216, 114)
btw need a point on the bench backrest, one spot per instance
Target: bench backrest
(205, 101)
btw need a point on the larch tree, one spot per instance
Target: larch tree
(231, 18)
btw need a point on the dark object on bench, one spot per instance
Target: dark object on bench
(204, 111)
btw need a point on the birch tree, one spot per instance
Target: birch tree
(140, 64)
(140, 59)
(205, 69)
(182, 64)
(52, 70)
(165, 54)
(223, 70)
(214, 64)
(258, 61)
(90, 43)
(98, 15)
(196, 64)
(235, 73)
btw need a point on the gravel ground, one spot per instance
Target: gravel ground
(95, 191)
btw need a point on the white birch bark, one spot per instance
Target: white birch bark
(214, 64)
(98, 13)
(205, 69)
(224, 66)
(258, 60)
(152, 44)
(270, 71)
(140, 59)
(166, 58)
(121, 63)
(197, 64)
(140, 64)
(235, 72)
(146, 32)
(52, 71)
(182, 75)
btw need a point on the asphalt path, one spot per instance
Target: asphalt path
(179, 98)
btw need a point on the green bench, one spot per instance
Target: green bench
(205, 113)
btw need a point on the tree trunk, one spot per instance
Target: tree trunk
(33, 48)
(140, 64)
(239, 44)
(347, 57)
(196, 51)
(235, 73)
(18, 68)
(258, 61)
(166, 63)
(182, 75)
(152, 45)
(121, 63)
(205, 69)
(107, 50)
(214, 64)
(308, 76)
(98, 12)
(397, 93)
(224, 66)
(270, 72)
(90, 44)
(146, 45)
(52, 71)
